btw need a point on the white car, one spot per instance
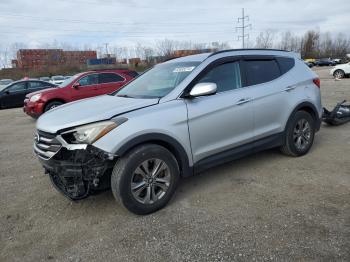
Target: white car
(340, 71)
(57, 80)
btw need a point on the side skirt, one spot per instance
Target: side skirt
(239, 152)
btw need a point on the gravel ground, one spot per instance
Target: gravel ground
(266, 207)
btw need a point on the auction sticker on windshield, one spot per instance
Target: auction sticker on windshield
(183, 69)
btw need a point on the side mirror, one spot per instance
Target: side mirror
(203, 89)
(7, 92)
(76, 85)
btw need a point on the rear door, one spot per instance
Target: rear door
(221, 122)
(271, 100)
(110, 82)
(88, 87)
(14, 95)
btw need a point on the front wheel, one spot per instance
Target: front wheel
(339, 74)
(52, 105)
(300, 134)
(145, 179)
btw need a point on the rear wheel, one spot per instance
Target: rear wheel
(145, 179)
(300, 134)
(339, 74)
(52, 105)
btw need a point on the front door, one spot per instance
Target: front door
(221, 122)
(88, 87)
(14, 95)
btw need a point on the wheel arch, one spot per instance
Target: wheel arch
(54, 100)
(309, 108)
(166, 141)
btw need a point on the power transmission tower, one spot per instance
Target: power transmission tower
(243, 20)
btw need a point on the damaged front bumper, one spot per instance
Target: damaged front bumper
(75, 170)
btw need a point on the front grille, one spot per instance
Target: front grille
(46, 145)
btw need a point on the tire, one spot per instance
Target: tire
(339, 74)
(52, 105)
(300, 133)
(129, 171)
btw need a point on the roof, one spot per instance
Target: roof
(246, 51)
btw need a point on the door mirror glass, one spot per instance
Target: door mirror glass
(203, 89)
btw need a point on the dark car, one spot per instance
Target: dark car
(325, 62)
(13, 95)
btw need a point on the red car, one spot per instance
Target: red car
(83, 85)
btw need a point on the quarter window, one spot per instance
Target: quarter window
(110, 78)
(285, 63)
(89, 80)
(261, 71)
(226, 76)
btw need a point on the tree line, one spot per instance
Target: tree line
(312, 44)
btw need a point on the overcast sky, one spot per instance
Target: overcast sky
(124, 22)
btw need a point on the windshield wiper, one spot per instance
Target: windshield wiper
(125, 96)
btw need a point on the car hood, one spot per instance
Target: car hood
(46, 90)
(89, 110)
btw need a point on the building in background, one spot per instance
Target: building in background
(46, 58)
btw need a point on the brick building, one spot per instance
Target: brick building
(45, 58)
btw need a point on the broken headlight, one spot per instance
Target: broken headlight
(88, 134)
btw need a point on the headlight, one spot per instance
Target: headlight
(35, 98)
(89, 134)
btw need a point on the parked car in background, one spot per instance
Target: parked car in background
(13, 94)
(177, 119)
(57, 80)
(66, 77)
(337, 61)
(4, 83)
(83, 85)
(45, 78)
(309, 64)
(325, 62)
(340, 71)
(310, 60)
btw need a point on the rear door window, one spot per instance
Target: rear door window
(261, 71)
(110, 78)
(36, 85)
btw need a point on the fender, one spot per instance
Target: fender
(163, 140)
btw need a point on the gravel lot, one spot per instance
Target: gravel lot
(261, 208)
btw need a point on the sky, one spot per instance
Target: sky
(127, 22)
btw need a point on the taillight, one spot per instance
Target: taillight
(317, 82)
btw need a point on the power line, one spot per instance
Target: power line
(243, 27)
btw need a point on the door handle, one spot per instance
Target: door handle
(243, 101)
(289, 88)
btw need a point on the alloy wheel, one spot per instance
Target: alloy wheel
(302, 134)
(150, 181)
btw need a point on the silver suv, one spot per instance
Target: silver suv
(177, 119)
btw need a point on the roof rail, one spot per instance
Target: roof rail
(247, 49)
(106, 69)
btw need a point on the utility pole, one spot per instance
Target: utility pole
(243, 20)
(106, 44)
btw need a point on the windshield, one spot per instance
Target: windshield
(159, 81)
(69, 80)
(5, 82)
